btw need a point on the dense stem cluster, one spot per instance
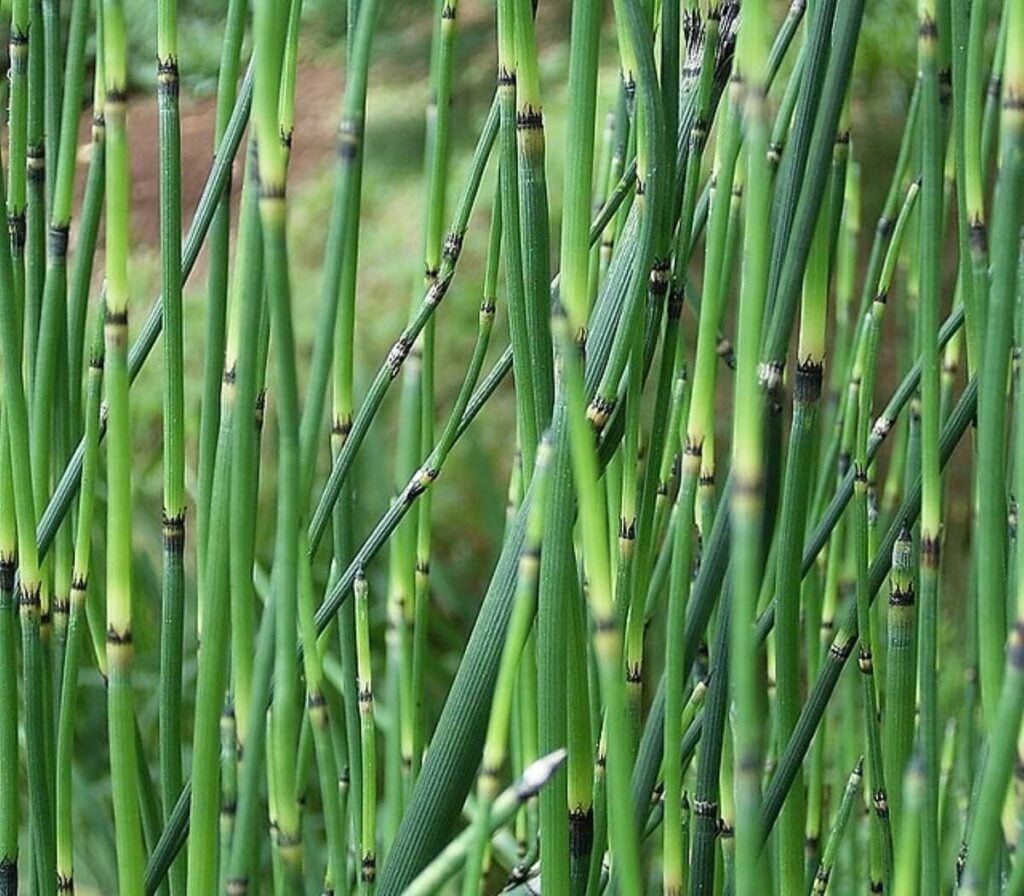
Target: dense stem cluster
(704, 500)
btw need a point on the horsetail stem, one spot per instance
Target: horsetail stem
(272, 164)
(217, 283)
(247, 309)
(747, 503)
(400, 350)
(534, 210)
(9, 802)
(212, 671)
(228, 788)
(317, 710)
(625, 570)
(79, 591)
(496, 744)
(367, 847)
(901, 669)
(53, 59)
(812, 84)
(835, 834)
(607, 637)
(973, 173)
(682, 562)
(82, 265)
(340, 282)
(792, 522)
(508, 91)
(908, 858)
(1005, 718)
(438, 159)
(60, 500)
(50, 371)
(447, 862)
(930, 237)
(585, 837)
(18, 411)
(120, 648)
(172, 628)
(35, 237)
(881, 837)
(575, 298)
(698, 435)
(16, 137)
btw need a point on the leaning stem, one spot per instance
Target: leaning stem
(524, 608)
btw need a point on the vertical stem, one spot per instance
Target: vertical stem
(747, 504)
(244, 334)
(835, 834)
(972, 185)
(269, 44)
(217, 287)
(901, 669)
(54, 62)
(367, 845)
(173, 598)
(17, 124)
(35, 223)
(228, 789)
(533, 202)
(9, 790)
(865, 370)
(496, 743)
(77, 620)
(990, 429)
(55, 329)
(792, 526)
(1004, 720)
(88, 232)
(522, 356)
(316, 707)
(437, 159)
(121, 714)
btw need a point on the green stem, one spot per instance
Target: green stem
(747, 504)
(174, 509)
(367, 738)
(496, 743)
(120, 650)
(990, 429)
(835, 834)
(79, 591)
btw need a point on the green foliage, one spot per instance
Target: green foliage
(330, 601)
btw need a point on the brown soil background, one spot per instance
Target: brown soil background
(318, 88)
